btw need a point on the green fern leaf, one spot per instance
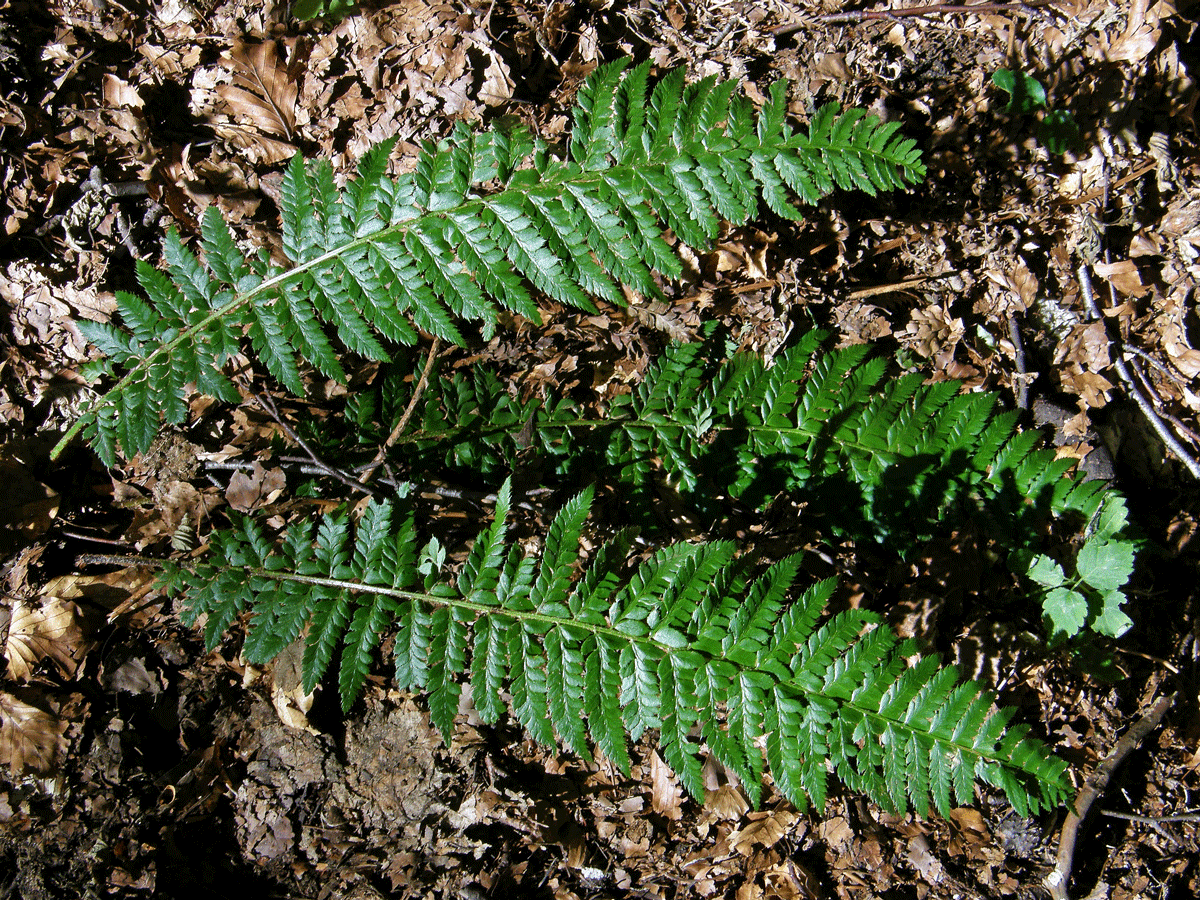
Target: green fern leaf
(373, 262)
(689, 642)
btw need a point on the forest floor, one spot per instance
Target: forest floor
(137, 764)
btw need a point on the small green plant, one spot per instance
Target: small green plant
(1057, 129)
(1092, 596)
(331, 10)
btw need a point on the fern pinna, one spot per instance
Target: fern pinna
(691, 643)
(878, 458)
(483, 217)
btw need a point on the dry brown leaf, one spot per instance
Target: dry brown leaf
(261, 486)
(29, 506)
(666, 796)
(291, 703)
(1087, 346)
(112, 590)
(1183, 357)
(923, 861)
(765, 831)
(969, 831)
(31, 739)
(1141, 33)
(934, 333)
(264, 90)
(836, 832)
(132, 676)
(1090, 386)
(258, 147)
(48, 630)
(1019, 280)
(1123, 275)
(726, 802)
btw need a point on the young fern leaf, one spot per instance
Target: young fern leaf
(690, 639)
(483, 217)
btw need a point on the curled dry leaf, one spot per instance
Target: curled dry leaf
(29, 507)
(263, 89)
(249, 491)
(1021, 282)
(765, 829)
(934, 333)
(1141, 34)
(48, 630)
(31, 739)
(1122, 275)
(666, 796)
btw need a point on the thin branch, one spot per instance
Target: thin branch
(1156, 399)
(1059, 880)
(418, 390)
(1028, 8)
(1156, 422)
(1151, 820)
(123, 560)
(269, 405)
(1022, 384)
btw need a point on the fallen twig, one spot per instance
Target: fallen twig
(1156, 422)
(269, 406)
(1059, 879)
(1027, 8)
(1021, 381)
(1151, 820)
(408, 411)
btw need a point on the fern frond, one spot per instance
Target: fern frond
(884, 459)
(481, 219)
(691, 639)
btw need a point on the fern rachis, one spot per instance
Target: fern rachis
(691, 639)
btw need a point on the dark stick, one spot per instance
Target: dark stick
(1058, 880)
(269, 405)
(1028, 8)
(408, 411)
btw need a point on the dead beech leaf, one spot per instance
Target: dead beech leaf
(726, 802)
(31, 739)
(29, 506)
(1020, 281)
(934, 333)
(666, 796)
(836, 832)
(291, 703)
(1141, 33)
(248, 492)
(1087, 346)
(49, 630)
(1124, 276)
(1182, 356)
(264, 90)
(132, 677)
(765, 831)
(260, 148)
(1091, 387)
